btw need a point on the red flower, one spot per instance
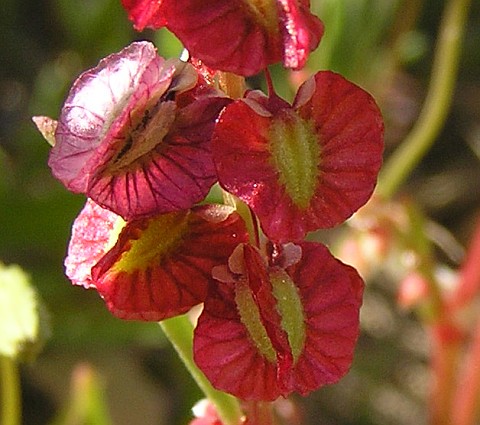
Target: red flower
(205, 414)
(94, 232)
(302, 167)
(145, 13)
(259, 33)
(270, 329)
(155, 268)
(134, 134)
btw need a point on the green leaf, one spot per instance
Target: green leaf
(23, 320)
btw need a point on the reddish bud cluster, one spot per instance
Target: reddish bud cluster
(146, 138)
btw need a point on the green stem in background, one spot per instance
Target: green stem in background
(179, 331)
(403, 25)
(421, 245)
(10, 401)
(437, 102)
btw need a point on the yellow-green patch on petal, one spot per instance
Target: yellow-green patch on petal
(290, 308)
(161, 235)
(295, 151)
(250, 317)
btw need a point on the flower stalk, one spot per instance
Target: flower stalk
(179, 331)
(466, 396)
(260, 413)
(10, 413)
(437, 103)
(445, 352)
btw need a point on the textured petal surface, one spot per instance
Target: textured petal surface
(145, 13)
(92, 234)
(224, 351)
(301, 31)
(161, 267)
(331, 298)
(132, 139)
(101, 101)
(174, 175)
(201, 26)
(259, 33)
(348, 128)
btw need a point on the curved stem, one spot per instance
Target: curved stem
(260, 413)
(10, 395)
(445, 351)
(179, 331)
(469, 275)
(437, 102)
(465, 401)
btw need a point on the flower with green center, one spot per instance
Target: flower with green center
(305, 166)
(267, 331)
(152, 268)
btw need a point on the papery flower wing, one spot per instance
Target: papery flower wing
(302, 168)
(102, 98)
(123, 139)
(258, 34)
(332, 296)
(225, 353)
(174, 175)
(240, 363)
(94, 232)
(161, 267)
(145, 13)
(350, 128)
(301, 31)
(202, 27)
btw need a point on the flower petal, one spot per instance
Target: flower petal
(201, 26)
(145, 13)
(350, 128)
(332, 296)
(304, 167)
(258, 34)
(301, 30)
(174, 175)
(230, 357)
(94, 232)
(133, 138)
(161, 267)
(102, 98)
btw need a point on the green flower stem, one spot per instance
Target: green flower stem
(437, 102)
(420, 244)
(10, 400)
(179, 331)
